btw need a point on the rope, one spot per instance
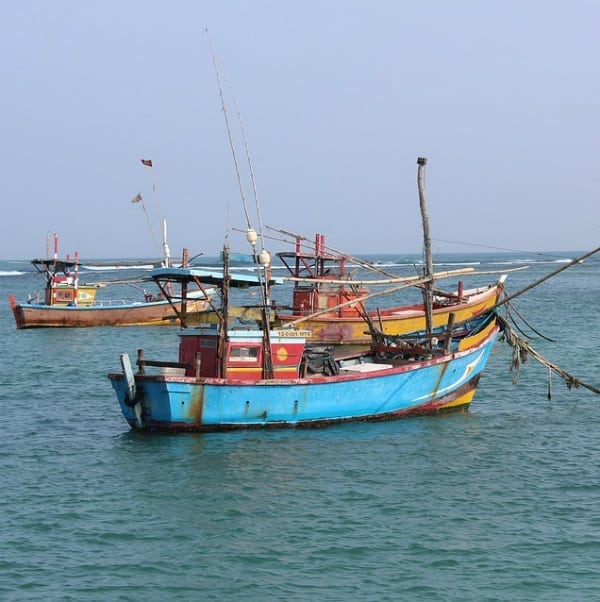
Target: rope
(521, 350)
(511, 308)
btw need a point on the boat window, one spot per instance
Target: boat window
(244, 354)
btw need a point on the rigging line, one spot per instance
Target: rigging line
(368, 265)
(511, 307)
(470, 244)
(264, 278)
(227, 223)
(250, 168)
(361, 262)
(151, 228)
(521, 347)
(415, 282)
(393, 280)
(548, 276)
(264, 283)
(156, 201)
(510, 317)
(365, 263)
(231, 144)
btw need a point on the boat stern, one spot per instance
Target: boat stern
(17, 311)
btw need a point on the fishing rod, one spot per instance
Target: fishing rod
(229, 136)
(262, 259)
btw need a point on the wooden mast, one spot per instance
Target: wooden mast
(224, 321)
(428, 268)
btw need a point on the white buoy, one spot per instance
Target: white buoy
(264, 258)
(251, 236)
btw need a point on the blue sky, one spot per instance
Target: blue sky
(337, 98)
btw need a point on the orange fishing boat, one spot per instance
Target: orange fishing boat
(331, 306)
(66, 302)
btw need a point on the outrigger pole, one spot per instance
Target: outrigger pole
(548, 276)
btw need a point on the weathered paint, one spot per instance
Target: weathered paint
(329, 304)
(65, 294)
(38, 315)
(243, 353)
(330, 328)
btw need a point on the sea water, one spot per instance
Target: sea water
(498, 503)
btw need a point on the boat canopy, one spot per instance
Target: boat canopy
(57, 265)
(215, 277)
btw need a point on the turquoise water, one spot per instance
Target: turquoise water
(499, 503)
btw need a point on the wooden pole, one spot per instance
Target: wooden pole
(428, 270)
(407, 284)
(449, 328)
(573, 262)
(221, 348)
(184, 289)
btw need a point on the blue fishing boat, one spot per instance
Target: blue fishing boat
(226, 378)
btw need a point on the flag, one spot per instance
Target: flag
(137, 198)
(147, 162)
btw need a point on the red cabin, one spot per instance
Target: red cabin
(244, 353)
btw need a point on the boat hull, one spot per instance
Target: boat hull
(331, 329)
(166, 402)
(31, 315)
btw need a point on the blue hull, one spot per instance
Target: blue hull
(181, 403)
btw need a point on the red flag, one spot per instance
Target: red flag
(147, 162)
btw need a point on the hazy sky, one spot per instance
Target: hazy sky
(337, 98)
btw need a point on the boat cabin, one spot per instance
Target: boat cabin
(243, 353)
(64, 291)
(62, 283)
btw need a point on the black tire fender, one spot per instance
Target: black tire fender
(129, 402)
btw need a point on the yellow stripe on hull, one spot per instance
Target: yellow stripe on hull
(475, 339)
(336, 330)
(463, 400)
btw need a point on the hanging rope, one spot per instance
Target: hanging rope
(521, 350)
(510, 309)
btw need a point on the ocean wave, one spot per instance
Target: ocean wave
(11, 273)
(108, 268)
